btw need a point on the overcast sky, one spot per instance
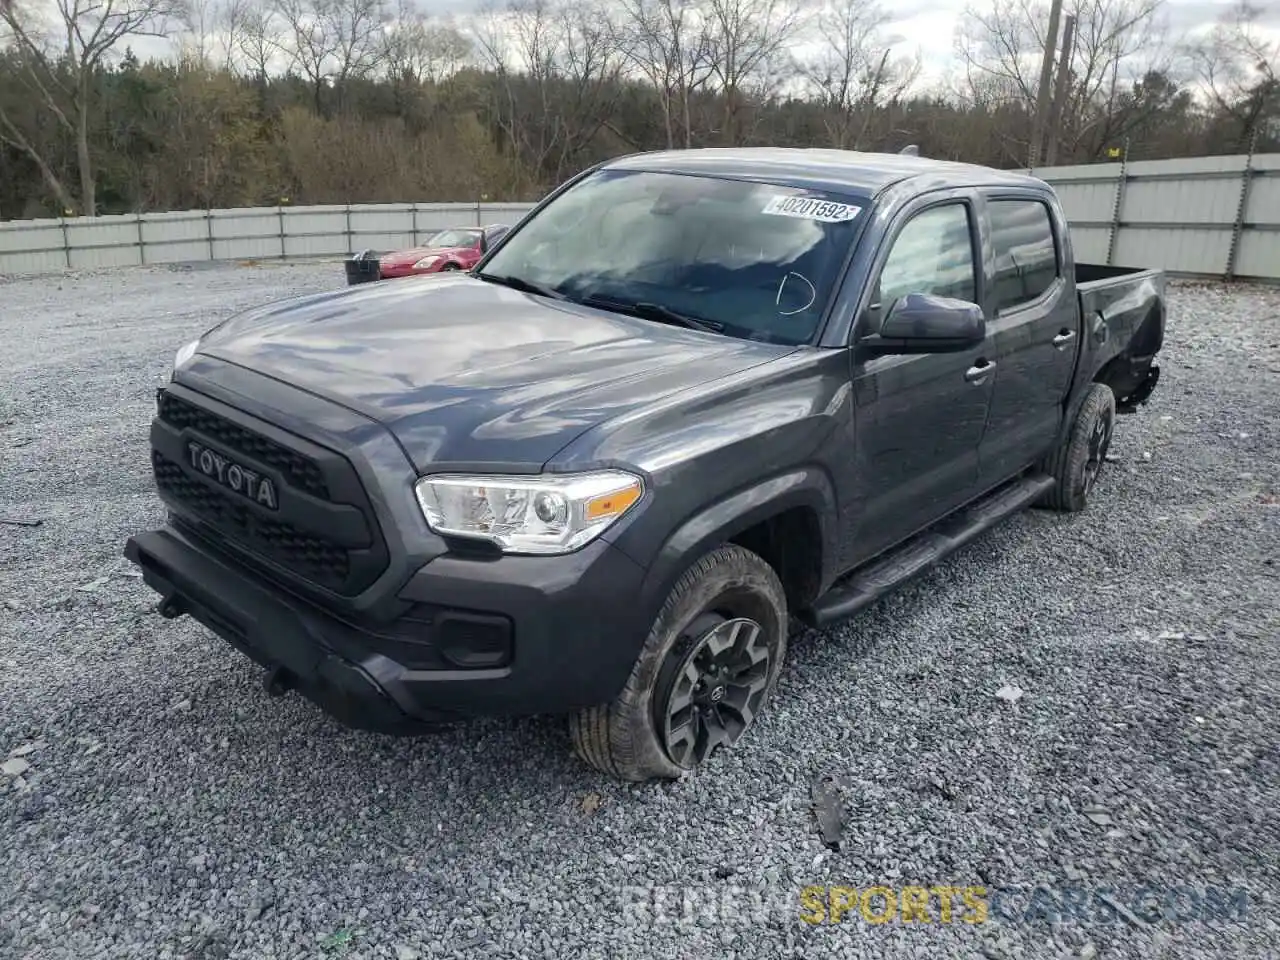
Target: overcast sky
(926, 25)
(930, 26)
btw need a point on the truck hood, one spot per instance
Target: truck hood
(466, 372)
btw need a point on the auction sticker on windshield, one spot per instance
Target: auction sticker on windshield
(809, 208)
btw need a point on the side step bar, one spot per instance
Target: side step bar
(867, 585)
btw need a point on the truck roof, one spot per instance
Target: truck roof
(837, 171)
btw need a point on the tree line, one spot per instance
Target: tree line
(321, 101)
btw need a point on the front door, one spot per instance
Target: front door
(919, 417)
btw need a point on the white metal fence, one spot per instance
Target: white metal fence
(246, 233)
(1203, 216)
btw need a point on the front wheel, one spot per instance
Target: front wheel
(711, 660)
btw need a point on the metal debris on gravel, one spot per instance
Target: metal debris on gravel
(828, 811)
(14, 767)
(175, 810)
(1010, 693)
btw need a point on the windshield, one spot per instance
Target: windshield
(755, 260)
(455, 238)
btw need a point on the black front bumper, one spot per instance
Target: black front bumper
(574, 630)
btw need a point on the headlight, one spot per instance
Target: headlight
(185, 353)
(426, 262)
(547, 514)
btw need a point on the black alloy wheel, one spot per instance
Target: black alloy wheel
(1099, 442)
(711, 695)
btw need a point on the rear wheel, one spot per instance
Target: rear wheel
(1076, 464)
(450, 266)
(703, 676)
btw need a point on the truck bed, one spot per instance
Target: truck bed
(1092, 275)
(1123, 316)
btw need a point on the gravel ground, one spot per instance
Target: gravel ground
(170, 809)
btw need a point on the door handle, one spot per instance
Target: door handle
(978, 373)
(1063, 338)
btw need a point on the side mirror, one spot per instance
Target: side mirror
(924, 323)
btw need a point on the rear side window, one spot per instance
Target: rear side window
(1026, 255)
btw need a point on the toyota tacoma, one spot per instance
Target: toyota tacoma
(693, 398)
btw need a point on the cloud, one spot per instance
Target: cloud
(926, 26)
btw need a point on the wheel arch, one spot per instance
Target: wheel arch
(789, 520)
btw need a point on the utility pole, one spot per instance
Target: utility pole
(1060, 92)
(1042, 94)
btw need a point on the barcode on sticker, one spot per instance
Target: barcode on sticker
(809, 208)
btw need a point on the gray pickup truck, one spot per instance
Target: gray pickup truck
(692, 399)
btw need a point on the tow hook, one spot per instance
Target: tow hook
(278, 681)
(171, 607)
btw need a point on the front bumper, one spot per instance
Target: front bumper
(573, 630)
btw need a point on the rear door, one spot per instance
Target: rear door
(1032, 323)
(919, 417)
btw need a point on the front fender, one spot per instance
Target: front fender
(806, 487)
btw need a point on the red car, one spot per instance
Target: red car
(458, 248)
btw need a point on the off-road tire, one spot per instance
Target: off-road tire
(1071, 463)
(622, 738)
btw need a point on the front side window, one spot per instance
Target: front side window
(933, 254)
(755, 260)
(1025, 252)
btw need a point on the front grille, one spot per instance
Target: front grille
(298, 471)
(315, 558)
(325, 532)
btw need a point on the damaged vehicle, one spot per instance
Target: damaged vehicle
(693, 397)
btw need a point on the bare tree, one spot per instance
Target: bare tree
(59, 72)
(516, 45)
(1117, 42)
(1240, 68)
(854, 70)
(420, 50)
(253, 35)
(332, 41)
(556, 68)
(590, 67)
(747, 37)
(201, 19)
(420, 58)
(668, 43)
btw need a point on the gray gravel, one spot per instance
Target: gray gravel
(163, 806)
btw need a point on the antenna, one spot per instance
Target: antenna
(909, 151)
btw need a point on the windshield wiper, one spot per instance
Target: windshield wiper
(523, 285)
(654, 311)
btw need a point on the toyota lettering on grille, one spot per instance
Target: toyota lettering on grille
(248, 483)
